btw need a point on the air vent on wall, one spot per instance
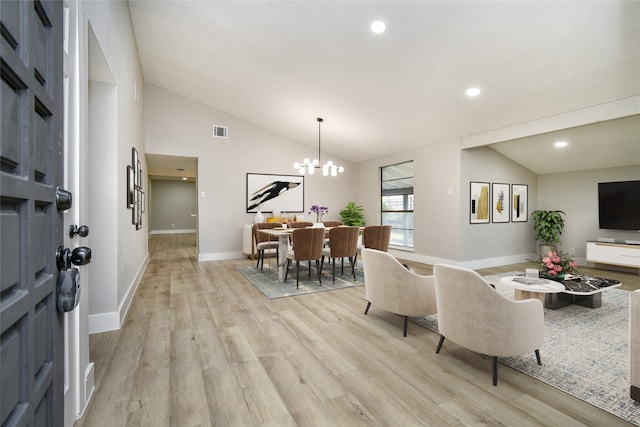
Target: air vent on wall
(220, 131)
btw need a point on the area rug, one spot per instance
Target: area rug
(267, 280)
(585, 351)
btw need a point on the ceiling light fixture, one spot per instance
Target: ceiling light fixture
(473, 91)
(561, 144)
(378, 27)
(308, 166)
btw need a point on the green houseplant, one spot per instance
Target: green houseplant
(352, 215)
(548, 226)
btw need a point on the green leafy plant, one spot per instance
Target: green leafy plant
(548, 226)
(352, 215)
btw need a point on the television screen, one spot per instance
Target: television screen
(619, 205)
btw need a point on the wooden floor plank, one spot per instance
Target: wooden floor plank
(202, 346)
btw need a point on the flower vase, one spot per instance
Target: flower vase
(259, 217)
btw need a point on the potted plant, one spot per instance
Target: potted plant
(548, 226)
(352, 215)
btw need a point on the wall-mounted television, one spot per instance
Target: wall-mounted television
(619, 205)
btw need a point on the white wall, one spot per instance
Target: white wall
(495, 240)
(127, 254)
(177, 126)
(171, 206)
(576, 194)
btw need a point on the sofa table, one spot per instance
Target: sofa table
(533, 288)
(585, 291)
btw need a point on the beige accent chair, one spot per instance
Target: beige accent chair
(263, 241)
(390, 286)
(343, 243)
(473, 315)
(634, 344)
(307, 246)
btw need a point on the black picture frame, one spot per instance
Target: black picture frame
(479, 202)
(519, 203)
(131, 177)
(269, 192)
(500, 202)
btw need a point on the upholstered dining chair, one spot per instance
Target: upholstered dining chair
(392, 287)
(343, 243)
(307, 246)
(375, 237)
(263, 241)
(299, 224)
(473, 315)
(332, 223)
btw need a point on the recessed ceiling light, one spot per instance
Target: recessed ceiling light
(561, 144)
(473, 91)
(378, 27)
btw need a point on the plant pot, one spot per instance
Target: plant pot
(544, 250)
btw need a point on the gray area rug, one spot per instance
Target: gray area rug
(585, 351)
(267, 280)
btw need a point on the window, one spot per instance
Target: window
(397, 202)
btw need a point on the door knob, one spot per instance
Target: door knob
(65, 257)
(82, 231)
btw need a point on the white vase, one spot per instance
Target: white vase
(259, 217)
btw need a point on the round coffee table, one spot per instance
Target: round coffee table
(537, 289)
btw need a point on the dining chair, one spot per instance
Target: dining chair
(264, 241)
(329, 224)
(307, 246)
(299, 224)
(375, 237)
(343, 243)
(332, 223)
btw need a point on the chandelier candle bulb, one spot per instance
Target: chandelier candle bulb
(309, 166)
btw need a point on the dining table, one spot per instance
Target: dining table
(283, 234)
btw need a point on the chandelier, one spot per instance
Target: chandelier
(308, 166)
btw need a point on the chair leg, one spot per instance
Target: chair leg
(406, 322)
(538, 357)
(318, 270)
(342, 266)
(297, 273)
(366, 310)
(310, 269)
(440, 344)
(333, 262)
(494, 369)
(258, 259)
(286, 273)
(353, 267)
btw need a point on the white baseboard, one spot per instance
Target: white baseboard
(112, 321)
(473, 264)
(172, 231)
(89, 387)
(220, 256)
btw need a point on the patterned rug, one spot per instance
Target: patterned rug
(267, 280)
(585, 351)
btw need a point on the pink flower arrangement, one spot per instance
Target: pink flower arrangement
(557, 262)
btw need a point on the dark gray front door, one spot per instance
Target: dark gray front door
(31, 156)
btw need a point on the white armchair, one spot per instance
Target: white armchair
(634, 344)
(473, 315)
(392, 287)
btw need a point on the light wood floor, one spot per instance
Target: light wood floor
(201, 346)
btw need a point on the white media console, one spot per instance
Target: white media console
(620, 254)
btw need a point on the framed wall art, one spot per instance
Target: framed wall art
(131, 177)
(500, 202)
(520, 203)
(479, 203)
(284, 193)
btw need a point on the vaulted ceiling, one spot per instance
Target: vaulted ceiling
(281, 64)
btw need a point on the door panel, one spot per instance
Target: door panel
(31, 169)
